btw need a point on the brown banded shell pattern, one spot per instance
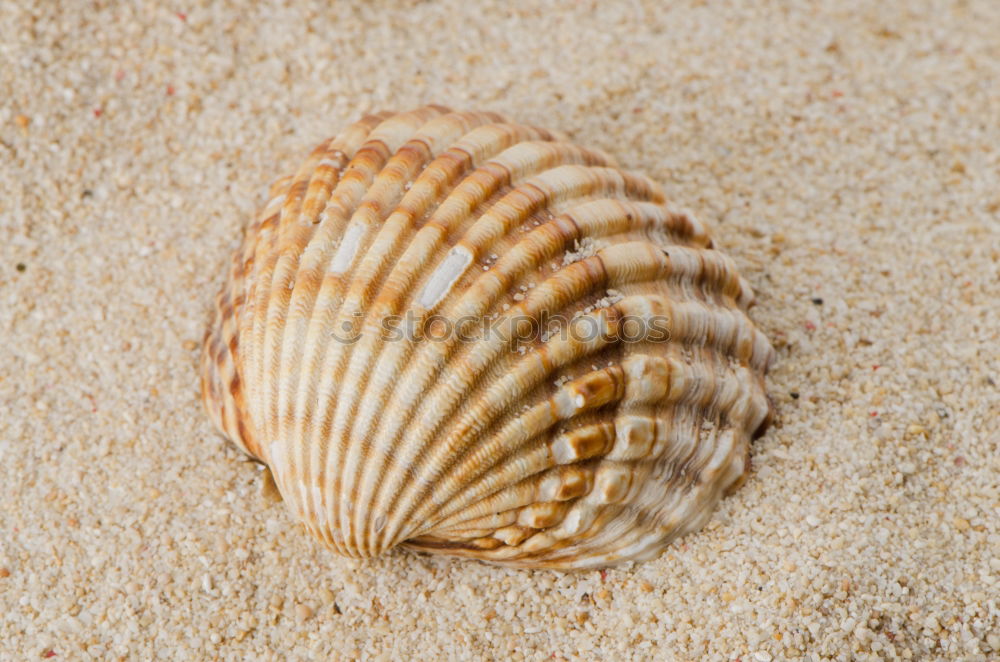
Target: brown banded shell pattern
(368, 346)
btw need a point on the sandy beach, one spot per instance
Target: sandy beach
(845, 154)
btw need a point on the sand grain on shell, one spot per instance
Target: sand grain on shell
(846, 154)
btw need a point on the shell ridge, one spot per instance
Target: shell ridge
(325, 423)
(629, 307)
(308, 393)
(561, 189)
(409, 248)
(263, 276)
(475, 458)
(281, 330)
(527, 372)
(480, 355)
(258, 233)
(628, 396)
(504, 174)
(303, 281)
(261, 350)
(378, 266)
(368, 163)
(325, 302)
(277, 315)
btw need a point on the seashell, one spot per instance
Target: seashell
(396, 342)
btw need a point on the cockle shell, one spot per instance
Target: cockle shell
(351, 349)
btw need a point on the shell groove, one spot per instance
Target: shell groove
(470, 336)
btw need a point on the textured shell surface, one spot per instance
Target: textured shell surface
(468, 336)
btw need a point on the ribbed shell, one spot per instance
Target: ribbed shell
(562, 450)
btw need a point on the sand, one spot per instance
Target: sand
(846, 154)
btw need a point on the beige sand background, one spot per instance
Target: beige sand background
(843, 151)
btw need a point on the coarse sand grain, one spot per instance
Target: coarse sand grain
(846, 154)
